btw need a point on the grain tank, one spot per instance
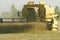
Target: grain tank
(40, 13)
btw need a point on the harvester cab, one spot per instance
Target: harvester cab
(40, 12)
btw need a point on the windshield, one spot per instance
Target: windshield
(31, 13)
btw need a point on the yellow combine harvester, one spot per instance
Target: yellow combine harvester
(40, 13)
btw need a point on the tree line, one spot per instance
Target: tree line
(57, 11)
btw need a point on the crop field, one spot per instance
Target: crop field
(22, 32)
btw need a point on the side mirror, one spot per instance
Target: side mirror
(58, 16)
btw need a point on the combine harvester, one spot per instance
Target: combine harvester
(38, 15)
